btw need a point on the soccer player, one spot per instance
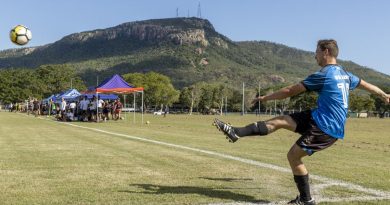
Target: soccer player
(320, 127)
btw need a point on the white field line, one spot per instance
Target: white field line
(377, 194)
(250, 203)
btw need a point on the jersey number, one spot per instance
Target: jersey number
(344, 87)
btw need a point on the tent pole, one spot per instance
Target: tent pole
(97, 107)
(142, 108)
(134, 108)
(124, 106)
(49, 107)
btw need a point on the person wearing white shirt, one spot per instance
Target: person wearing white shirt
(84, 108)
(92, 108)
(100, 103)
(72, 106)
(63, 109)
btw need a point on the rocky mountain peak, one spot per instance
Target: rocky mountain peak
(179, 31)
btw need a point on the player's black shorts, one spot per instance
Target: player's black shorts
(313, 139)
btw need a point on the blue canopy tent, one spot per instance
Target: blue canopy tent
(47, 100)
(101, 96)
(68, 95)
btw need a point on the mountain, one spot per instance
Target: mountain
(188, 50)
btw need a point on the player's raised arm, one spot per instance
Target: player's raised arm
(283, 93)
(374, 90)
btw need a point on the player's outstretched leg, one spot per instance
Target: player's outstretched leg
(234, 133)
(227, 129)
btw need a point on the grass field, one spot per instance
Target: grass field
(181, 159)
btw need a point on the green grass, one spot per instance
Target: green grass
(45, 162)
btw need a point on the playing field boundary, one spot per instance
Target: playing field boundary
(370, 194)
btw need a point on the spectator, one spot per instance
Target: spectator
(92, 108)
(10, 107)
(72, 107)
(63, 109)
(166, 111)
(118, 109)
(36, 107)
(106, 110)
(100, 104)
(84, 108)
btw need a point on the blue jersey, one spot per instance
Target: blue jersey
(333, 84)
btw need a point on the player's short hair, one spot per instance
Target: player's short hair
(329, 44)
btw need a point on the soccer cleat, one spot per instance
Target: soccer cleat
(299, 201)
(227, 129)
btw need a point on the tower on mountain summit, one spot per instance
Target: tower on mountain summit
(199, 14)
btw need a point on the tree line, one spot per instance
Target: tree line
(17, 85)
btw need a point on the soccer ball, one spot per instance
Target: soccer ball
(20, 35)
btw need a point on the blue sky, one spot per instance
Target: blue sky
(361, 27)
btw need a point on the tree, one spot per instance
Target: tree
(369, 103)
(158, 88)
(249, 96)
(235, 100)
(380, 106)
(220, 92)
(57, 78)
(304, 101)
(19, 84)
(206, 99)
(355, 103)
(185, 98)
(189, 97)
(210, 97)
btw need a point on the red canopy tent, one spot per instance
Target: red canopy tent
(117, 85)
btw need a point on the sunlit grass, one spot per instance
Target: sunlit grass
(45, 162)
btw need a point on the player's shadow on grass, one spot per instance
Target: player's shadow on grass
(209, 192)
(226, 179)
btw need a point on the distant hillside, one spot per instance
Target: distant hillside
(188, 50)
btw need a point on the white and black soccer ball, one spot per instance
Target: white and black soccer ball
(20, 35)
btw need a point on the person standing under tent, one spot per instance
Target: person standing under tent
(112, 107)
(92, 108)
(58, 111)
(36, 107)
(84, 108)
(10, 107)
(30, 106)
(320, 127)
(63, 109)
(52, 106)
(118, 109)
(106, 110)
(18, 107)
(72, 107)
(100, 104)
